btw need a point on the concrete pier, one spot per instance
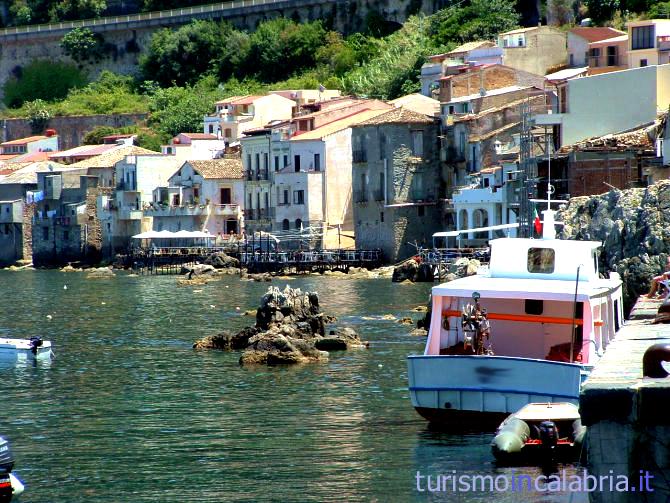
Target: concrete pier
(628, 415)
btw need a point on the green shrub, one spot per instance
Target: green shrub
(82, 45)
(43, 80)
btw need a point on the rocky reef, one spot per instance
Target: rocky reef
(413, 270)
(634, 226)
(290, 328)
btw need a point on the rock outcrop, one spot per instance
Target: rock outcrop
(197, 270)
(634, 226)
(220, 260)
(289, 329)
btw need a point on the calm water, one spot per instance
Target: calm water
(129, 412)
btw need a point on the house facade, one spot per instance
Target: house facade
(580, 54)
(195, 146)
(202, 195)
(539, 50)
(587, 98)
(237, 114)
(648, 42)
(397, 182)
(15, 233)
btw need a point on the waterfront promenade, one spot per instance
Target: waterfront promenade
(627, 414)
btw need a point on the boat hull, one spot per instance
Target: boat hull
(20, 349)
(455, 388)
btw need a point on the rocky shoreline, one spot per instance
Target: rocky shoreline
(289, 329)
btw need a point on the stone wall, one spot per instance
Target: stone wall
(70, 129)
(587, 174)
(127, 38)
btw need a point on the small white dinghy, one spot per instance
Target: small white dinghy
(34, 347)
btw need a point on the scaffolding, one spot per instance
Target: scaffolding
(528, 165)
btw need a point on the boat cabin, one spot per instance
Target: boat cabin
(542, 298)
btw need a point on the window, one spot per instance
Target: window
(541, 260)
(642, 38)
(298, 223)
(249, 199)
(519, 41)
(266, 197)
(249, 162)
(285, 199)
(594, 57)
(572, 60)
(66, 235)
(211, 129)
(45, 233)
(381, 216)
(276, 163)
(417, 143)
(285, 224)
(611, 55)
(258, 162)
(296, 163)
(285, 160)
(266, 161)
(6, 228)
(643, 62)
(487, 182)
(534, 306)
(226, 196)
(298, 197)
(421, 211)
(317, 162)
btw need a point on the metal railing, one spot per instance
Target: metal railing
(161, 15)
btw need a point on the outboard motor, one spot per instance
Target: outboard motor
(6, 465)
(548, 434)
(35, 342)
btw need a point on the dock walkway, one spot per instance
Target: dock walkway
(628, 415)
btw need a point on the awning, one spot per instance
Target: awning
(174, 235)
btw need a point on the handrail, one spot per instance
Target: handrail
(527, 318)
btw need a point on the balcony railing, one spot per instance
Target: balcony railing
(226, 209)
(604, 60)
(260, 175)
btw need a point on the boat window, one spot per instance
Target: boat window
(534, 306)
(541, 260)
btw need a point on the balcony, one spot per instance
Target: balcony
(360, 156)
(260, 175)
(605, 60)
(125, 187)
(158, 210)
(226, 210)
(129, 214)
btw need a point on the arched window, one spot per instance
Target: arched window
(480, 218)
(463, 220)
(285, 224)
(298, 223)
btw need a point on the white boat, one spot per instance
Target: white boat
(551, 317)
(25, 348)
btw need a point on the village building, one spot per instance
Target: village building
(397, 182)
(268, 150)
(418, 103)
(200, 146)
(102, 166)
(302, 97)
(538, 49)
(585, 110)
(66, 227)
(478, 53)
(81, 153)
(582, 51)
(15, 233)
(40, 143)
(202, 195)
(122, 213)
(649, 42)
(235, 115)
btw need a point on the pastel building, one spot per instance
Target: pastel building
(648, 42)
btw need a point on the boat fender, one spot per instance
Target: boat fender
(35, 342)
(548, 434)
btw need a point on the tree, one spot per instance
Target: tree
(183, 56)
(66, 10)
(180, 109)
(280, 47)
(480, 20)
(82, 45)
(38, 115)
(44, 80)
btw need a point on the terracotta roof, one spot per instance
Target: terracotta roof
(35, 156)
(199, 136)
(520, 30)
(632, 139)
(246, 100)
(596, 33)
(219, 168)
(110, 158)
(399, 115)
(84, 151)
(471, 46)
(27, 174)
(7, 157)
(338, 125)
(230, 99)
(23, 141)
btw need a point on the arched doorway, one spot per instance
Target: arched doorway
(285, 224)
